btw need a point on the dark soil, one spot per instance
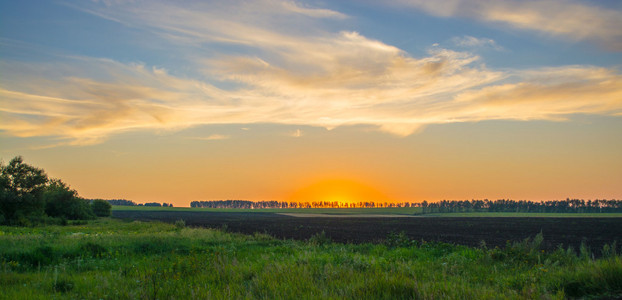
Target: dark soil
(595, 232)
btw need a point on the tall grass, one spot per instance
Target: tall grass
(111, 259)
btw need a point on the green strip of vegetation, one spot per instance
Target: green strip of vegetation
(113, 259)
(526, 215)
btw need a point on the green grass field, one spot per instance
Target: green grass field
(374, 211)
(113, 259)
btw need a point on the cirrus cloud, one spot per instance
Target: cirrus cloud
(324, 78)
(572, 20)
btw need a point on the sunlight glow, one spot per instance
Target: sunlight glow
(342, 191)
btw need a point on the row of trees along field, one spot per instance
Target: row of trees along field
(28, 196)
(506, 205)
(282, 204)
(119, 202)
(445, 206)
(124, 202)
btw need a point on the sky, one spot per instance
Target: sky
(407, 100)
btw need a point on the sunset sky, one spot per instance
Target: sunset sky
(411, 100)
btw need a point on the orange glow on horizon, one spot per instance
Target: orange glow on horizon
(340, 191)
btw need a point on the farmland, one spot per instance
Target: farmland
(495, 229)
(371, 253)
(114, 259)
(329, 211)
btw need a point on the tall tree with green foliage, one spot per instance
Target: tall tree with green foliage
(27, 197)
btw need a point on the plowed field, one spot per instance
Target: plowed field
(495, 231)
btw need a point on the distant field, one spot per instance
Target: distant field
(336, 211)
(526, 215)
(370, 211)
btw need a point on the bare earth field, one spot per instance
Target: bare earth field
(301, 215)
(495, 231)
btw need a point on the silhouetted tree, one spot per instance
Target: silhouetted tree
(63, 202)
(27, 196)
(120, 202)
(444, 206)
(22, 186)
(101, 208)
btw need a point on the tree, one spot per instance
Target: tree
(101, 208)
(63, 202)
(27, 196)
(119, 202)
(22, 186)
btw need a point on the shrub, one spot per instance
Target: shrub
(527, 251)
(320, 239)
(399, 240)
(180, 224)
(609, 250)
(62, 201)
(101, 208)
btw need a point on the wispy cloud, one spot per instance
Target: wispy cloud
(213, 137)
(473, 42)
(547, 94)
(569, 19)
(323, 78)
(296, 133)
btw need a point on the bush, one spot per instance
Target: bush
(180, 224)
(527, 251)
(394, 240)
(61, 201)
(101, 208)
(320, 239)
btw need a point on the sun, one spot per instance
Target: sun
(339, 190)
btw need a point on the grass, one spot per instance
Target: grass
(113, 259)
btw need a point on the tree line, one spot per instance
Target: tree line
(247, 204)
(444, 206)
(156, 204)
(29, 197)
(507, 205)
(244, 204)
(119, 202)
(124, 202)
